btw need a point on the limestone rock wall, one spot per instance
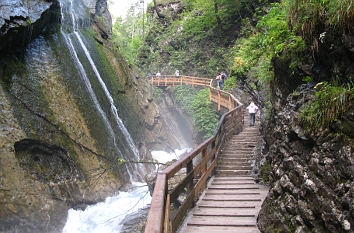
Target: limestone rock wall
(312, 176)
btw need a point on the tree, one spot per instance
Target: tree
(161, 16)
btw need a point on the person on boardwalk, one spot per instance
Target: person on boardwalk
(252, 109)
(223, 77)
(177, 73)
(218, 81)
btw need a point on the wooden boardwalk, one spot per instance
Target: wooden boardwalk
(232, 200)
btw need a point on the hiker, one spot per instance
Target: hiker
(252, 109)
(177, 73)
(218, 80)
(223, 77)
(158, 74)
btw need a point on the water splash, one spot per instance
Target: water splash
(108, 216)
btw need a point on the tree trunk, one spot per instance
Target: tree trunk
(161, 16)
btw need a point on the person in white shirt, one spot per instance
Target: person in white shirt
(252, 109)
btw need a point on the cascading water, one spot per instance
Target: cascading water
(107, 216)
(71, 16)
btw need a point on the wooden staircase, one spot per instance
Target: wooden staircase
(232, 200)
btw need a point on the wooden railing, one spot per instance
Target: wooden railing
(166, 210)
(173, 80)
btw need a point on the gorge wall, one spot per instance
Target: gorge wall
(311, 170)
(57, 151)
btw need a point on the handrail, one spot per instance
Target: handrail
(163, 218)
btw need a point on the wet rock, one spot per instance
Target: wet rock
(135, 222)
(22, 21)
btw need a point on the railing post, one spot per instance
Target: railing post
(210, 93)
(219, 100)
(230, 103)
(189, 170)
(193, 79)
(167, 224)
(152, 80)
(181, 80)
(204, 167)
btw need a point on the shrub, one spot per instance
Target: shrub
(330, 103)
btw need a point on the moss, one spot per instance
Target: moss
(265, 172)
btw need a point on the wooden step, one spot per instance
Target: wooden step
(243, 164)
(232, 192)
(231, 159)
(222, 221)
(232, 198)
(235, 187)
(227, 204)
(217, 178)
(221, 229)
(230, 156)
(226, 167)
(227, 212)
(232, 172)
(228, 182)
(241, 182)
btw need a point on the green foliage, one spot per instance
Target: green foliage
(193, 41)
(205, 117)
(330, 103)
(265, 172)
(307, 79)
(197, 104)
(121, 161)
(230, 83)
(184, 96)
(158, 93)
(128, 34)
(310, 18)
(272, 37)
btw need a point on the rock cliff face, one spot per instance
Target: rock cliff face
(311, 173)
(56, 151)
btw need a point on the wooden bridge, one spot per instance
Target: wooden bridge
(217, 175)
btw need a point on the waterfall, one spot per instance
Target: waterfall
(71, 21)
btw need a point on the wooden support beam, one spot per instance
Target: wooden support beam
(219, 100)
(167, 224)
(156, 214)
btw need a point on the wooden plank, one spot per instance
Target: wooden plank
(226, 212)
(189, 168)
(167, 222)
(233, 192)
(227, 204)
(223, 229)
(201, 163)
(235, 187)
(156, 214)
(231, 198)
(201, 183)
(222, 221)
